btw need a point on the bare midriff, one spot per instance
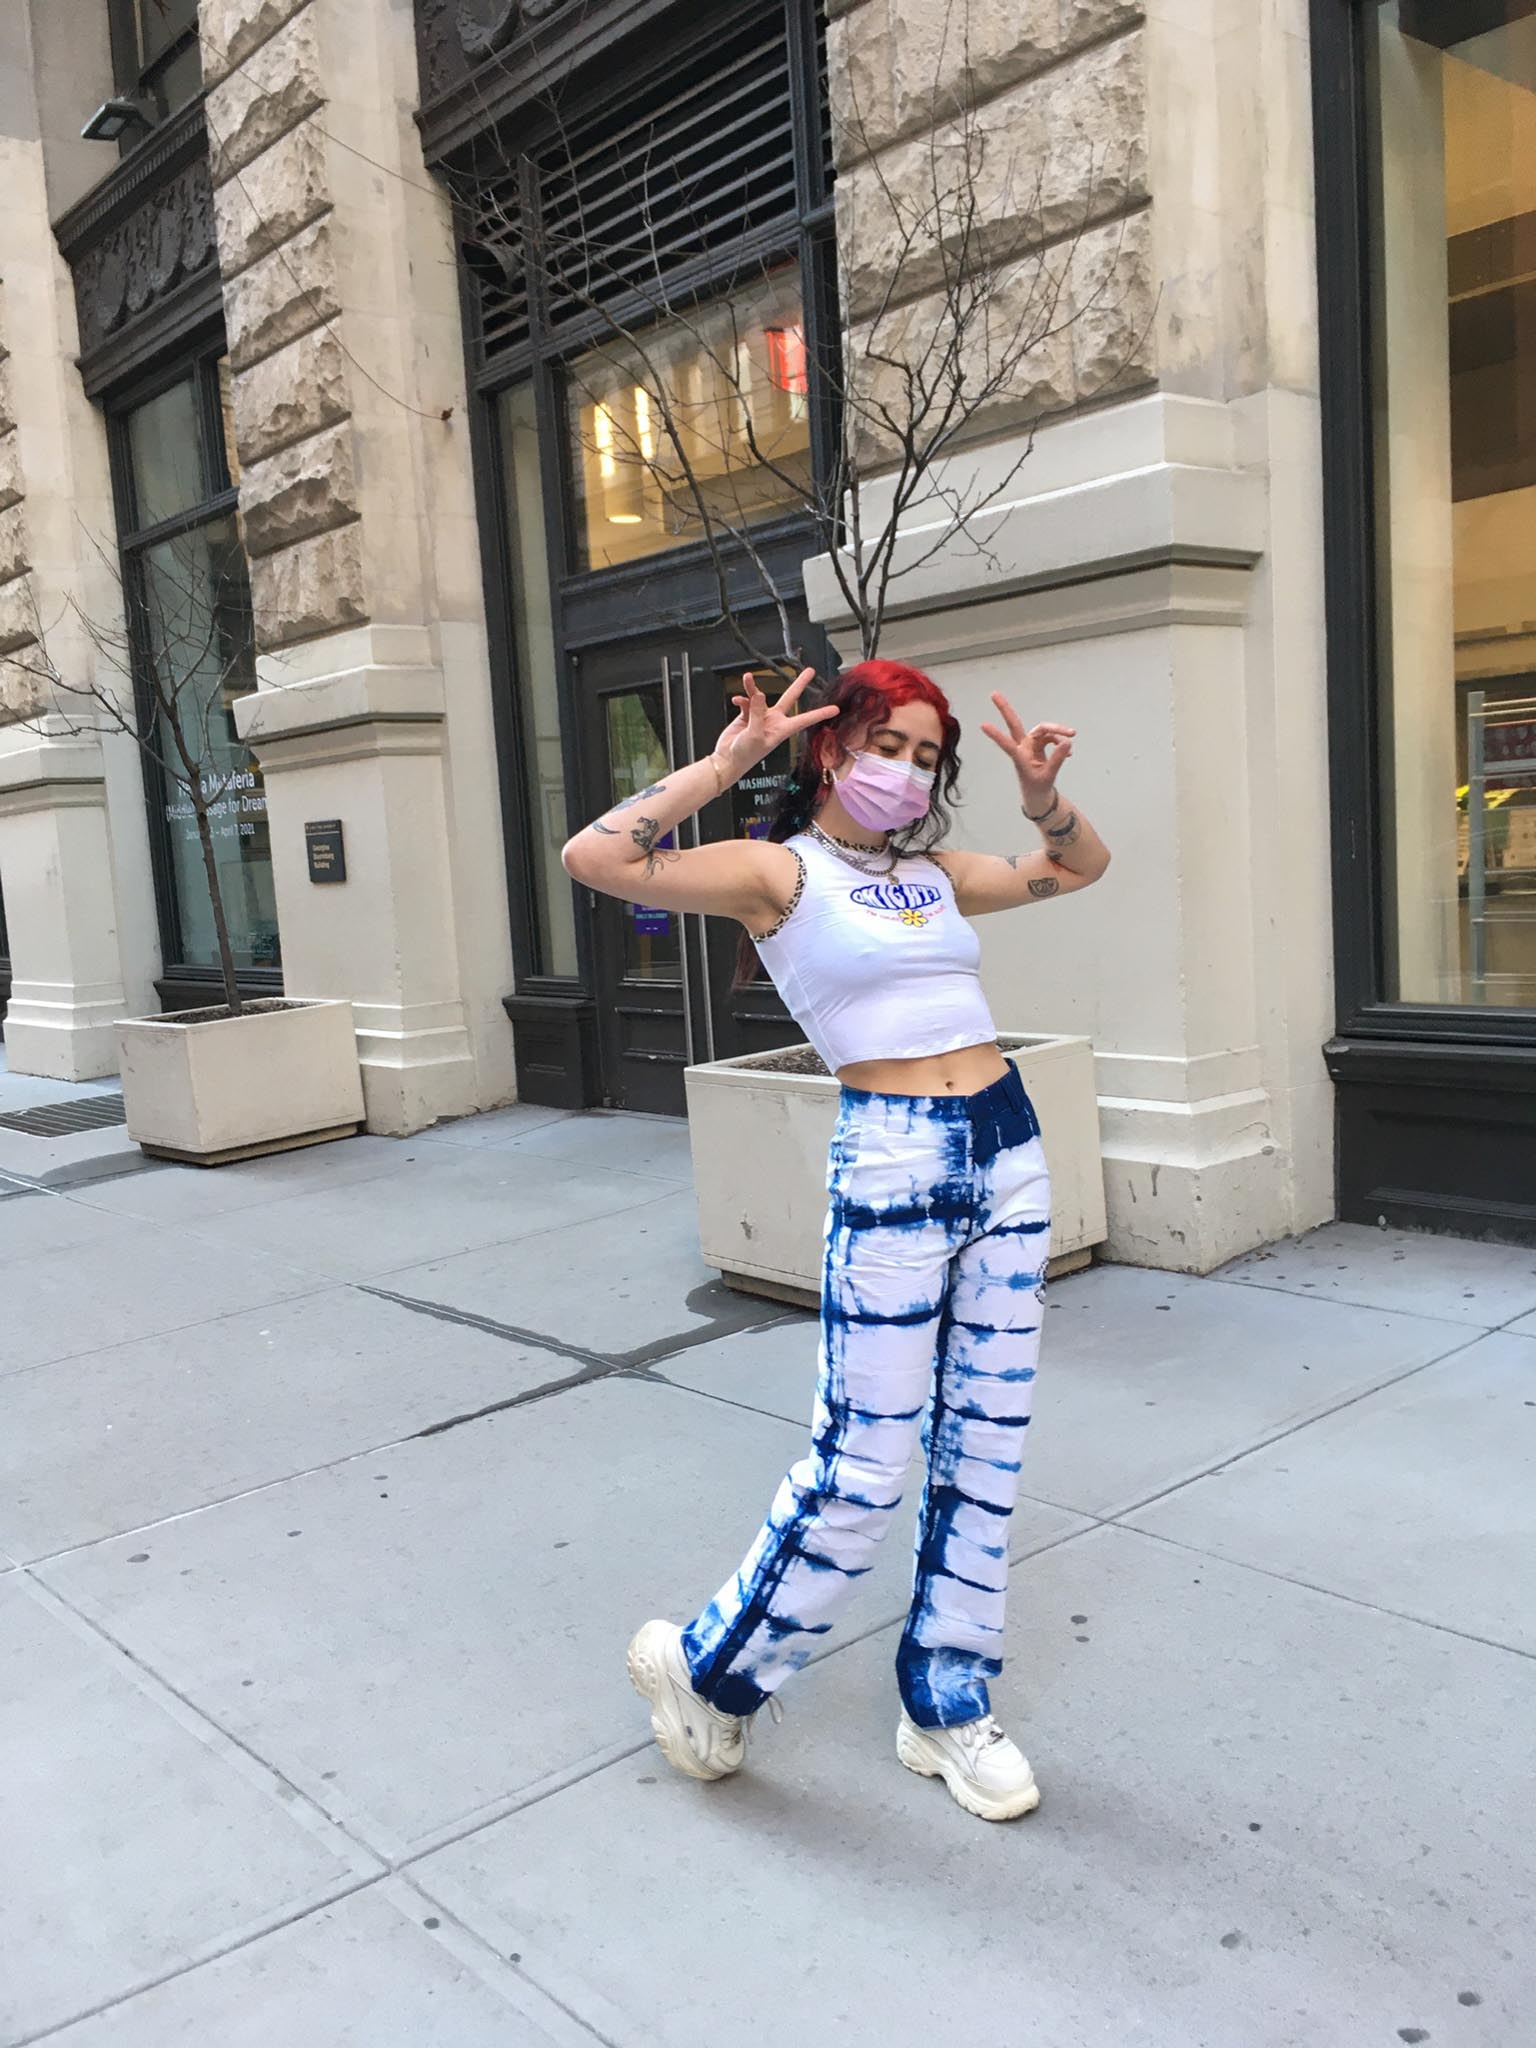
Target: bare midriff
(962, 1072)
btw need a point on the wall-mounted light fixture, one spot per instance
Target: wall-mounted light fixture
(112, 120)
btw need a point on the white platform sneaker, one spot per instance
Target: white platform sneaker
(693, 1736)
(985, 1772)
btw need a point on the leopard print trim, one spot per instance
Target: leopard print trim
(790, 908)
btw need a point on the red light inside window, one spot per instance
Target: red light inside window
(786, 359)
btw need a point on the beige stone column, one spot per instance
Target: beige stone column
(1152, 575)
(374, 705)
(74, 853)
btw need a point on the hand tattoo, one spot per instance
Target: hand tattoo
(1044, 885)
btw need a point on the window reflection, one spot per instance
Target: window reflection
(1455, 326)
(701, 427)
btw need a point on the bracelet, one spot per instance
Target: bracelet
(1043, 815)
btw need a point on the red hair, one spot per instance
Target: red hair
(865, 695)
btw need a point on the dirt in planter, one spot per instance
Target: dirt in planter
(796, 1059)
(217, 1012)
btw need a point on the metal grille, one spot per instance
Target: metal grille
(59, 1119)
(699, 159)
(631, 200)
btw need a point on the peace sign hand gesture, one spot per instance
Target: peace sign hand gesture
(1036, 753)
(759, 726)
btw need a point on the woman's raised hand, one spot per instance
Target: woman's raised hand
(759, 726)
(1036, 751)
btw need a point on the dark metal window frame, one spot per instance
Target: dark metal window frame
(1354, 589)
(136, 79)
(803, 233)
(182, 982)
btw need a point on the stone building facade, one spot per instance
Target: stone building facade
(348, 224)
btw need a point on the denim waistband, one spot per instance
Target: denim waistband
(999, 1115)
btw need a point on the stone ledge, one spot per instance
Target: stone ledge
(352, 697)
(1164, 515)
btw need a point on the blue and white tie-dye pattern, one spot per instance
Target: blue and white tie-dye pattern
(933, 1291)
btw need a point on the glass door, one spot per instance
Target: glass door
(666, 983)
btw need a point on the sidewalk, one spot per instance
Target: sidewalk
(332, 1485)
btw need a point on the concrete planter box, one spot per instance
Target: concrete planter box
(231, 1087)
(759, 1139)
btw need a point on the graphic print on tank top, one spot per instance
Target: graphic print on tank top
(909, 903)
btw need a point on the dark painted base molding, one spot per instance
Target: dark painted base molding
(555, 1046)
(1437, 1137)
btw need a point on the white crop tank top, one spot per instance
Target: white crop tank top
(876, 967)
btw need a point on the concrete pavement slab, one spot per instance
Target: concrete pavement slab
(134, 1434)
(128, 1847)
(358, 1974)
(38, 1220)
(137, 1281)
(420, 1638)
(495, 1127)
(1269, 1819)
(1420, 1498)
(453, 1201)
(618, 1285)
(1145, 1378)
(617, 1143)
(1408, 1270)
(1525, 1327)
(185, 1194)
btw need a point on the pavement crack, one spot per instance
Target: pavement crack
(592, 1365)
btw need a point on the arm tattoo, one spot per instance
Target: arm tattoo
(1044, 885)
(1067, 833)
(1013, 859)
(654, 861)
(646, 834)
(640, 796)
(608, 831)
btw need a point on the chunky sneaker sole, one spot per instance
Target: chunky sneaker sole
(681, 1722)
(929, 1759)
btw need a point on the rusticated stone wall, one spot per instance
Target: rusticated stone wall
(293, 389)
(1048, 100)
(18, 696)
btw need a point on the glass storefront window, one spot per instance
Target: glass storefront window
(196, 607)
(1454, 326)
(706, 422)
(189, 595)
(538, 684)
(165, 447)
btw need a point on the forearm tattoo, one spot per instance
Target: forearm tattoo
(608, 831)
(1044, 885)
(640, 796)
(1065, 834)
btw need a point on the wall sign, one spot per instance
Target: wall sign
(327, 851)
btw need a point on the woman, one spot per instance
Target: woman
(939, 1225)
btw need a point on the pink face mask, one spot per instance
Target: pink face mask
(883, 795)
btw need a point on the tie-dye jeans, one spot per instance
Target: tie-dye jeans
(933, 1288)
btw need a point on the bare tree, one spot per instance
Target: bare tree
(165, 671)
(955, 282)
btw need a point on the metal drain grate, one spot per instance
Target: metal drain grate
(59, 1119)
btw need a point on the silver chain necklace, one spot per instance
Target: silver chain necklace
(850, 854)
